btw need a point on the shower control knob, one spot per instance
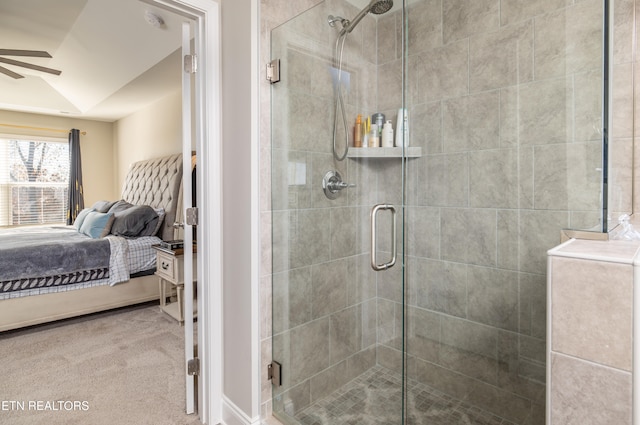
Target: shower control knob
(332, 184)
(335, 186)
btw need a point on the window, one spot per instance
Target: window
(34, 177)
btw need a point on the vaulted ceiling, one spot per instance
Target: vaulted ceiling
(113, 61)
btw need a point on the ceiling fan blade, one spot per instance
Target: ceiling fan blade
(30, 66)
(31, 53)
(10, 73)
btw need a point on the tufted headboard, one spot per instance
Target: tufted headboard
(156, 182)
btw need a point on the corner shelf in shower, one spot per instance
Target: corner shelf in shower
(396, 152)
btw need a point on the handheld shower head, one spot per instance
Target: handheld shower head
(377, 7)
(381, 6)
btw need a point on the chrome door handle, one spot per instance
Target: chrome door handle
(374, 214)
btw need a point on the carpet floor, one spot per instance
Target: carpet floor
(119, 367)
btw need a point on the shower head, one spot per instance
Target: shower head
(377, 7)
(381, 6)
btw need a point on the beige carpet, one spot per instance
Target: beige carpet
(121, 367)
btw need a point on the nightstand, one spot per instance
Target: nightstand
(170, 271)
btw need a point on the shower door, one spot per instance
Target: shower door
(337, 322)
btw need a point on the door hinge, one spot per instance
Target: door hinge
(273, 71)
(192, 216)
(193, 367)
(190, 64)
(275, 373)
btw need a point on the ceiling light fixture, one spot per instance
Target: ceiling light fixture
(152, 19)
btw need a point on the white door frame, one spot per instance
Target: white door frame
(206, 15)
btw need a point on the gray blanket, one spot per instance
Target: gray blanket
(30, 253)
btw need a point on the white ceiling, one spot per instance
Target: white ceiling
(112, 61)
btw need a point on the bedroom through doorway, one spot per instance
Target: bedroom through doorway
(195, 12)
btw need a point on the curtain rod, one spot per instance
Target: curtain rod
(26, 127)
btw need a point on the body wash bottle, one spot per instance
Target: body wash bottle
(387, 135)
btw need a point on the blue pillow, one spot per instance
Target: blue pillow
(97, 225)
(80, 218)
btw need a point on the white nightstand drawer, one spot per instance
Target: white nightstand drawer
(168, 267)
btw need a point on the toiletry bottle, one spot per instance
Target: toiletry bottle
(402, 128)
(378, 118)
(387, 135)
(374, 137)
(365, 131)
(357, 132)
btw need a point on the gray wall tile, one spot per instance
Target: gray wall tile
(518, 10)
(472, 123)
(493, 297)
(329, 287)
(603, 394)
(501, 59)
(569, 40)
(597, 325)
(464, 18)
(493, 179)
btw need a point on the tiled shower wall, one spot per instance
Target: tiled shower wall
(505, 101)
(504, 98)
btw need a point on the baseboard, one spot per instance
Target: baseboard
(233, 415)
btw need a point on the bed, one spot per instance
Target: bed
(152, 184)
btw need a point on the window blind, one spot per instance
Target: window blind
(34, 177)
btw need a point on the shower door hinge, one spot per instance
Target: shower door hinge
(192, 216)
(273, 71)
(190, 64)
(193, 367)
(275, 373)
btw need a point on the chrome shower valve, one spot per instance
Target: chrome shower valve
(332, 184)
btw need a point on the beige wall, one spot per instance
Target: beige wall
(96, 147)
(149, 133)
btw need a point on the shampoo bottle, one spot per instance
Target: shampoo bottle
(357, 133)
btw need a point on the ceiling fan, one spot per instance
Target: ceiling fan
(29, 53)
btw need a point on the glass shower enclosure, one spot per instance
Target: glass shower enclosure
(409, 281)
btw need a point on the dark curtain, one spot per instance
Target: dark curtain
(76, 194)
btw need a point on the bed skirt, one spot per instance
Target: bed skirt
(17, 313)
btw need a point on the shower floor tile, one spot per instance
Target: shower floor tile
(374, 398)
